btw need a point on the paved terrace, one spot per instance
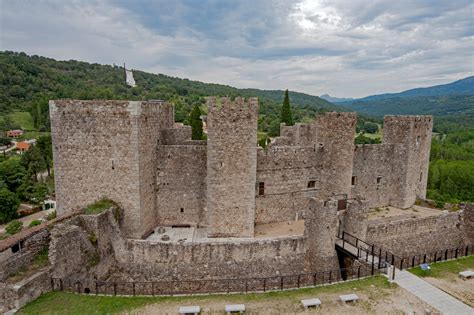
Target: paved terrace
(192, 234)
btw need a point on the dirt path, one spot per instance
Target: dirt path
(373, 301)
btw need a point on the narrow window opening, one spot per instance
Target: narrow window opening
(261, 188)
(379, 180)
(16, 248)
(311, 184)
(181, 210)
(421, 176)
(113, 166)
(418, 138)
(353, 180)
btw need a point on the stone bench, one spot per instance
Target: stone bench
(189, 310)
(466, 274)
(311, 303)
(235, 308)
(348, 298)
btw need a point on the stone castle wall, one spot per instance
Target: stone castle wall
(231, 166)
(414, 236)
(308, 160)
(181, 184)
(108, 149)
(394, 172)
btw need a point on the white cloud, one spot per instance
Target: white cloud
(344, 48)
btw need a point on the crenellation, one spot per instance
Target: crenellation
(227, 207)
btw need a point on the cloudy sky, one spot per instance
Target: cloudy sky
(346, 48)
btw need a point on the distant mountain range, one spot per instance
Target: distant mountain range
(455, 99)
(333, 99)
(460, 87)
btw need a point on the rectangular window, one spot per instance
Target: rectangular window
(311, 184)
(261, 188)
(421, 176)
(379, 180)
(354, 180)
(341, 204)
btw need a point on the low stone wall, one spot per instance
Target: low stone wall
(15, 296)
(414, 236)
(143, 260)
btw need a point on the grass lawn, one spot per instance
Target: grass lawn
(71, 303)
(24, 119)
(445, 269)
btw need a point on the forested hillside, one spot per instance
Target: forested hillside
(27, 82)
(451, 104)
(451, 175)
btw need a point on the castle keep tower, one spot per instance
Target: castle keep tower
(107, 149)
(231, 167)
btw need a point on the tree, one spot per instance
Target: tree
(45, 147)
(33, 161)
(370, 127)
(196, 123)
(9, 204)
(12, 173)
(286, 116)
(4, 141)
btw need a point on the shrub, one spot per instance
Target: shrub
(439, 204)
(14, 227)
(99, 206)
(34, 223)
(51, 216)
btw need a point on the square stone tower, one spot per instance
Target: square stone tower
(231, 166)
(410, 140)
(107, 149)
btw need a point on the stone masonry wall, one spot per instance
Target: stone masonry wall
(396, 171)
(181, 184)
(25, 253)
(309, 160)
(231, 166)
(411, 236)
(321, 231)
(222, 260)
(108, 149)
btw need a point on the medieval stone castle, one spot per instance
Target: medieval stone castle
(131, 152)
(195, 209)
(225, 215)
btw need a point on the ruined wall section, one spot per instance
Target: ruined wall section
(107, 149)
(231, 166)
(395, 172)
(316, 161)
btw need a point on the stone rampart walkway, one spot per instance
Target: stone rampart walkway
(435, 297)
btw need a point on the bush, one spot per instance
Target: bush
(99, 206)
(14, 227)
(439, 204)
(51, 216)
(34, 223)
(9, 204)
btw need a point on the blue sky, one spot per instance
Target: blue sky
(344, 48)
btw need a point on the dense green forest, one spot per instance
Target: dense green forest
(28, 82)
(451, 173)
